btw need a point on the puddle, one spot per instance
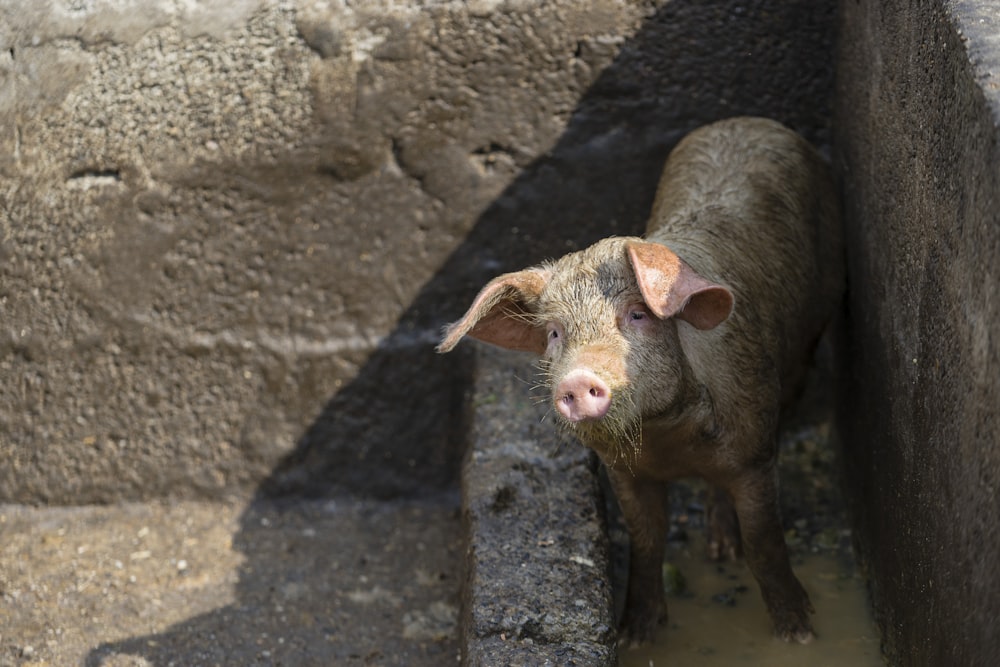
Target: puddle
(734, 629)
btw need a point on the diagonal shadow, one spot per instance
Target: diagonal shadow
(397, 430)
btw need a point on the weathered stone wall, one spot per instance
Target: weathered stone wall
(917, 145)
(230, 231)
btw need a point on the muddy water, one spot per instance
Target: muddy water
(720, 618)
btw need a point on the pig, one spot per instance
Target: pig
(672, 355)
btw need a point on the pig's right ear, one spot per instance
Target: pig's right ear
(671, 288)
(502, 315)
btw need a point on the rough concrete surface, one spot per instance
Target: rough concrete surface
(538, 589)
(917, 135)
(229, 232)
(327, 582)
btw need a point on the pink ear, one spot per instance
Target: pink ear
(671, 288)
(501, 314)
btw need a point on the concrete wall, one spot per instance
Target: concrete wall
(230, 231)
(917, 144)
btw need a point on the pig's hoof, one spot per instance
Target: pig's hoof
(722, 549)
(800, 636)
(794, 629)
(640, 630)
(636, 637)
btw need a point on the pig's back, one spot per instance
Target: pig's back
(750, 204)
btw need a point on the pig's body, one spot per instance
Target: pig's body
(671, 356)
(750, 204)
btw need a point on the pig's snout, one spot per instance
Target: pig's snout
(581, 395)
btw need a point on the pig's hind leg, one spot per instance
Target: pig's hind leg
(755, 498)
(644, 508)
(723, 527)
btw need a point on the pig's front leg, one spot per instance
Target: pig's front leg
(644, 508)
(755, 497)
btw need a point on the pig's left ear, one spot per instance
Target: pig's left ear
(501, 314)
(671, 288)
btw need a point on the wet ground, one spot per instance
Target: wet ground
(717, 616)
(332, 582)
(719, 619)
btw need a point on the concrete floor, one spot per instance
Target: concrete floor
(322, 582)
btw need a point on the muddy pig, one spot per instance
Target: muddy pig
(671, 356)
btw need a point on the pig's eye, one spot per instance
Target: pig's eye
(637, 316)
(637, 313)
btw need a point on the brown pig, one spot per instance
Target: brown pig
(671, 356)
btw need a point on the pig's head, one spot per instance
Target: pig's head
(604, 321)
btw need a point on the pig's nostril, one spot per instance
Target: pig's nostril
(582, 395)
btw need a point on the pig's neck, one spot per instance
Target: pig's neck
(738, 379)
(708, 380)
(691, 407)
(679, 441)
(692, 411)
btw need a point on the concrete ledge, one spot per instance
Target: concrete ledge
(537, 587)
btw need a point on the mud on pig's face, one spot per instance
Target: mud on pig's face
(604, 321)
(607, 358)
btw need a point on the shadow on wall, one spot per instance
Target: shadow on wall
(692, 62)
